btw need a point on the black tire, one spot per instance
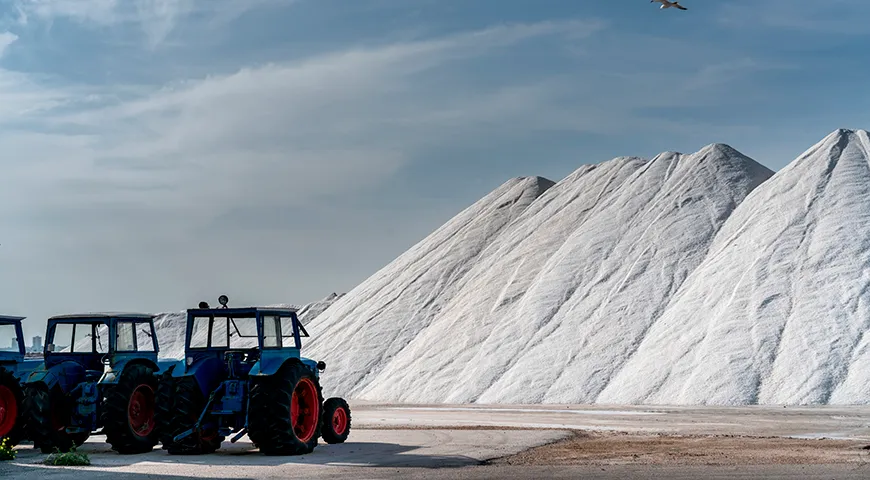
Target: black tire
(189, 404)
(12, 398)
(165, 407)
(128, 411)
(336, 420)
(47, 413)
(270, 426)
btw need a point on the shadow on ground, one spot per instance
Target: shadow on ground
(241, 454)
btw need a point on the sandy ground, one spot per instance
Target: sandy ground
(513, 442)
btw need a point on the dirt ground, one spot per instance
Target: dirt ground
(613, 448)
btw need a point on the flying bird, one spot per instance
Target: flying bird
(669, 4)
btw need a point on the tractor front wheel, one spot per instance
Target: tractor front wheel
(189, 403)
(47, 414)
(128, 411)
(165, 408)
(285, 411)
(336, 420)
(11, 420)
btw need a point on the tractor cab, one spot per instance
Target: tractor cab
(11, 340)
(12, 368)
(236, 341)
(99, 371)
(95, 341)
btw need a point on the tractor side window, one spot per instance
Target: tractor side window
(126, 341)
(143, 337)
(199, 334)
(63, 338)
(219, 332)
(8, 342)
(287, 339)
(270, 332)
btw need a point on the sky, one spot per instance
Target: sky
(156, 153)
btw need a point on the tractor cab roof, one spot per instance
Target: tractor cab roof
(101, 316)
(241, 311)
(10, 319)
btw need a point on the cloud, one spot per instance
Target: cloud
(278, 167)
(6, 39)
(157, 19)
(328, 125)
(840, 17)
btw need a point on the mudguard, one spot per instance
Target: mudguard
(271, 362)
(164, 366)
(112, 374)
(208, 373)
(66, 374)
(23, 369)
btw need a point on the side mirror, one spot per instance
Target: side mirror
(321, 365)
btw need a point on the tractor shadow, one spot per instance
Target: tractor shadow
(349, 454)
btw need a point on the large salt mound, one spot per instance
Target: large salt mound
(777, 312)
(546, 307)
(378, 319)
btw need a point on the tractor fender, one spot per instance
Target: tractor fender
(175, 368)
(66, 374)
(112, 375)
(271, 365)
(21, 370)
(207, 372)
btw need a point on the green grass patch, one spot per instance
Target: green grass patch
(6, 451)
(68, 459)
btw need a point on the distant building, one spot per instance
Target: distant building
(14, 344)
(37, 344)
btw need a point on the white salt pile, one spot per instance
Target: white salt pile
(685, 279)
(553, 303)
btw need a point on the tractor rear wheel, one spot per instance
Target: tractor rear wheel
(11, 418)
(128, 411)
(285, 411)
(336, 420)
(165, 407)
(189, 404)
(46, 415)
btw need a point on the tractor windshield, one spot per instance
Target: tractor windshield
(84, 337)
(233, 333)
(8, 338)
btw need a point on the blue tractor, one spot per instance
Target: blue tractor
(100, 371)
(12, 368)
(243, 373)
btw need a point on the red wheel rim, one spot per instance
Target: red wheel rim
(304, 410)
(339, 421)
(8, 410)
(140, 411)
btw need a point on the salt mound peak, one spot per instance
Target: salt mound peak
(379, 317)
(776, 313)
(571, 283)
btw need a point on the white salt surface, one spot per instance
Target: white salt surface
(544, 305)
